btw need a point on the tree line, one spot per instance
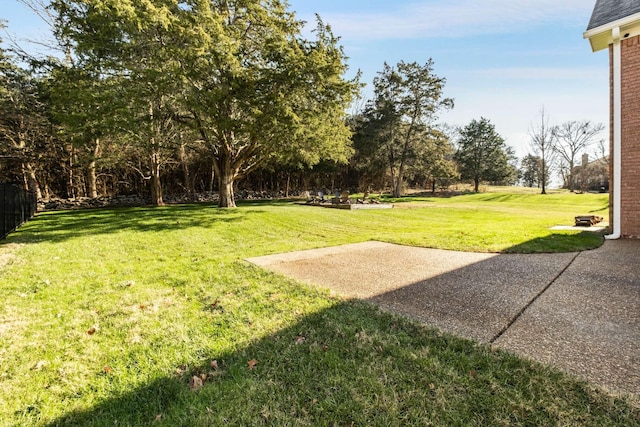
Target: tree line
(556, 148)
(187, 96)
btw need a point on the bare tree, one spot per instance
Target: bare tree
(601, 149)
(541, 134)
(571, 138)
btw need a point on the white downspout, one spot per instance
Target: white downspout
(617, 135)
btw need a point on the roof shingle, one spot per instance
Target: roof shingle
(608, 11)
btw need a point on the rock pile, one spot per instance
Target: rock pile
(137, 200)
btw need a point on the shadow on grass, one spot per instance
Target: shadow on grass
(62, 225)
(352, 364)
(560, 242)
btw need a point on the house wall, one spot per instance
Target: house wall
(630, 181)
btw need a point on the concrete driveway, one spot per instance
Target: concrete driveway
(577, 311)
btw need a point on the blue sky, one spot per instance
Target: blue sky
(503, 59)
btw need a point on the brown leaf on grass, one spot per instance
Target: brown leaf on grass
(158, 418)
(214, 365)
(252, 364)
(473, 373)
(300, 340)
(195, 383)
(91, 330)
(325, 347)
(107, 369)
(41, 364)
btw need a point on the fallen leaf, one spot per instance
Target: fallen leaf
(432, 386)
(107, 369)
(214, 365)
(91, 330)
(203, 377)
(158, 418)
(195, 384)
(252, 364)
(473, 373)
(41, 364)
(300, 340)
(325, 347)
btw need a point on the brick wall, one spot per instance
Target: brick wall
(630, 181)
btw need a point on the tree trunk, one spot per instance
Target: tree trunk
(476, 185)
(544, 178)
(226, 178)
(92, 177)
(286, 191)
(156, 185)
(188, 182)
(397, 187)
(227, 199)
(31, 180)
(213, 177)
(70, 184)
(570, 177)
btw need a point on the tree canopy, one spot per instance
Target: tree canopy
(398, 124)
(238, 73)
(482, 153)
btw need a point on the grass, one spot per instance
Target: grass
(108, 315)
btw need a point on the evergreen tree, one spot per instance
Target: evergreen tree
(482, 154)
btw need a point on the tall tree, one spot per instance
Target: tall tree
(238, 72)
(135, 42)
(406, 103)
(257, 89)
(482, 153)
(88, 108)
(24, 124)
(530, 171)
(434, 162)
(570, 139)
(542, 142)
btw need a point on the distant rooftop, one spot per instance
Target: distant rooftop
(608, 11)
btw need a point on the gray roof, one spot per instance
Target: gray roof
(608, 11)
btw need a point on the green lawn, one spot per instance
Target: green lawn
(108, 315)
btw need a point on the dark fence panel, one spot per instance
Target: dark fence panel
(16, 207)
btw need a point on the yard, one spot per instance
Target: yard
(150, 316)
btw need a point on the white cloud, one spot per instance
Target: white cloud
(456, 18)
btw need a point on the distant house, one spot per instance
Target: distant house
(615, 25)
(592, 175)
